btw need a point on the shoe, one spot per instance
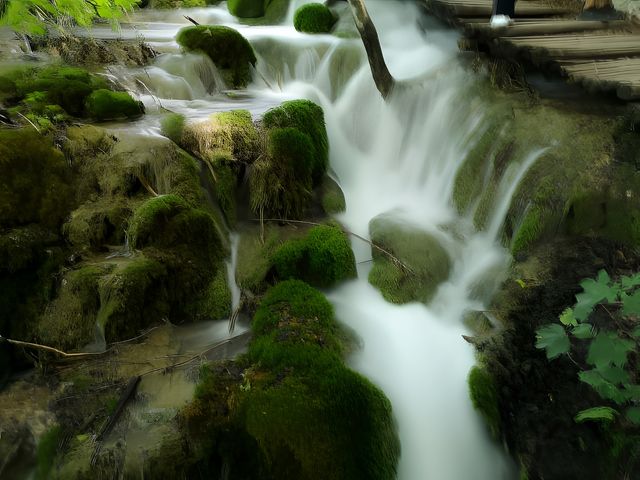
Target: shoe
(500, 21)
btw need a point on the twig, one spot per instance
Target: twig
(191, 20)
(348, 232)
(124, 398)
(146, 185)
(37, 346)
(32, 124)
(143, 334)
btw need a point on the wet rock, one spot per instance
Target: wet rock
(424, 262)
(87, 51)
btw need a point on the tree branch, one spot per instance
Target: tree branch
(381, 75)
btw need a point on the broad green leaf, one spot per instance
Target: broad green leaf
(595, 291)
(632, 392)
(553, 339)
(605, 389)
(630, 282)
(584, 307)
(607, 348)
(600, 414)
(631, 304)
(636, 332)
(615, 375)
(583, 331)
(567, 318)
(633, 414)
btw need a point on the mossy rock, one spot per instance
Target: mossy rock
(322, 258)
(313, 18)
(99, 223)
(104, 105)
(24, 247)
(484, 396)
(87, 142)
(332, 197)
(308, 118)
(172, 4)
(69, 322)
(247, 8)
(425, 263)
(280, 183)
(215, 302)
(172, 125)
(227, 48)
(37, 181)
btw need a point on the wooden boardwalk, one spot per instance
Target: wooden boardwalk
(599, 55)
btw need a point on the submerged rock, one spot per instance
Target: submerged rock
(424, 262)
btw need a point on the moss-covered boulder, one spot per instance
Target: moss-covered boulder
(424, 262)
(36, 180)
(484, 396)
(308, 118)
(104, 104)
(313, 18)
(322, 258)
(332, 197)
(247, 8)
(227, 48)
(171, 4)
(291, 406)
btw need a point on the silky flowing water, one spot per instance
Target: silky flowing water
(398, 158)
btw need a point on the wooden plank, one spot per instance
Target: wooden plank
(590, 46)
(483, 8)
(621, 75)
(536, 27)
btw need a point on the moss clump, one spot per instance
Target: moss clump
(332, 197)
(229, 50)
(24, 247)
(426, 262)
(313, 18)
(292, 403)
(99, 223)
(36, 185)
(484, 397)
(308, 118)
(215, 303)
(47, 451)
(107, 105)
(322, 258)
(69, 322)
(132, 296)
(247, 8)
(172, 126)
(255, 259)
(171, 4)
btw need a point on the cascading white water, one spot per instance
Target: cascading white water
(397, 158)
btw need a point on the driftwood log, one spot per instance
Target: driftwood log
(381, 75)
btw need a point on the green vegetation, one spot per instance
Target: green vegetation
(47, 451)
(104, 104)
(36, 180)
(36, 16)
(172, 125)
(484, 396)
(166, 4)
(308, 118)
(609, 365)
(332, 197)
(229, 50)
(291, 408)
(247, 8)
(424, 262)
(313, 18)
(322, 258)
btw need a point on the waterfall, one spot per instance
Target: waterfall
(398, 158)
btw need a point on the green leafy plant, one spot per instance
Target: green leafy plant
(603, 333)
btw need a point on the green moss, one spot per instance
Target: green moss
(255, 259)
(246, 8)
(280, 183)
(47, 451)
(425, 263)
(65, 86)
(99, 223)
(308, 118)
(69, 322)
(215, 304)
(229, 50)
(150, 219)
(529, 230)
(104, 104)
(226, 184)
(484, 397)
(313, 18)
(36, 180)
(322, 258)
(24, 247)
(166, 4)
(242, 132)
(131, 297)
(172, 126)
(332, 197)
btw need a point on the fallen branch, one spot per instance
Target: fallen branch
(393, 258)
(124, 398)
(46, 348)
(381, 75)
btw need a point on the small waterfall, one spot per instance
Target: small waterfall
(234, 240)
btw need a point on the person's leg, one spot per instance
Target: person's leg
(504, 7)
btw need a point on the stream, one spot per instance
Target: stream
(397, 158)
